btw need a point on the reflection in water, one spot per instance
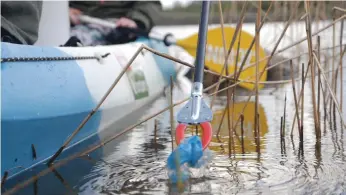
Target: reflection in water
(248, 129)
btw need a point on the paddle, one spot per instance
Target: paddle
(214, 55)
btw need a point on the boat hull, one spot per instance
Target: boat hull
(43, 102)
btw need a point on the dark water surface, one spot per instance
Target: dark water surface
(135, 163)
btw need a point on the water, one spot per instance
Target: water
(135, 163)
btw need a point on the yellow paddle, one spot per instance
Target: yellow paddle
(215, 57)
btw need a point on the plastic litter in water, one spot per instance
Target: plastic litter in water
(188, 154)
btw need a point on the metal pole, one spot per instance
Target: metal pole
(196, 110)
(202, 40)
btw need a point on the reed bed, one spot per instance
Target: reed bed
(326, 81)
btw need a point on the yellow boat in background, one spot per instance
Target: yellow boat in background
(215, 55)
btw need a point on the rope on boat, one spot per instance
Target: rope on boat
(33, 59)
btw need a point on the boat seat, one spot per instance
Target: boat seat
(54, 27)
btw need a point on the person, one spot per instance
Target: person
(126, 15)
(20, 21)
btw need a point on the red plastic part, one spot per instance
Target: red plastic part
(206, 136)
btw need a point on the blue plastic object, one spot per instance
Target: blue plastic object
(187, 154)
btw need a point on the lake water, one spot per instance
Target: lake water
(135, 163)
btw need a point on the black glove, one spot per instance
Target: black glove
(124, 35)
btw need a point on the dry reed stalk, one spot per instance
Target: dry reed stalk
(242, 133)
(313, 34)
(155, 134)
(238, 29)
(36, 187)
(339, 9)
(341, 62)
(86, 119)
(171, 112)
(281, 132)
(301, 136)
(270, 19)
(257, 42)
(319, 81)
(272, 54)
(333, 63)
(220, 124)
(226, 68)
(312, 68)
(252, 44)
(284, 122)
(276, 64)
(237, 76)
(266, 69)
(317, 14)
(62, 180)
(247, 67)
(4, 178)
(295, 98)
(240, 22)
(330, 90)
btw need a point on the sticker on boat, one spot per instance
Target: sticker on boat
(136, 76)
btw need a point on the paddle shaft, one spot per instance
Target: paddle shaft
(202, 40)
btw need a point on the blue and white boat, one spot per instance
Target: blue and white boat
(44, 101)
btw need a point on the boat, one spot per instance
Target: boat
(47, 92)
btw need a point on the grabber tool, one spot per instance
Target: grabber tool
(196, 111)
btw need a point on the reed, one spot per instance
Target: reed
(242, 133)
(339, 9)
(230, 140)
(236, 75)
(319, 81)
(341, 63)
(312, 68)
(250, 47)
(36, 187)
(86, 119)
(171, 111)
(313, 34)
(270, 57)
(267, 57)
(284, 117)
(3, 179)
(257, 42)
(155, 134)
(295, 97)
(302, 106)
(62, 180)
(33, 150)
(330, 90)
(220, 124)
(333, 65)
(237, 30)
(281, 129)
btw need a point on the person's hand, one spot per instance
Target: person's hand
(74, 15)
(126, 22)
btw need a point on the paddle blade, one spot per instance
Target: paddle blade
(215, 57)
